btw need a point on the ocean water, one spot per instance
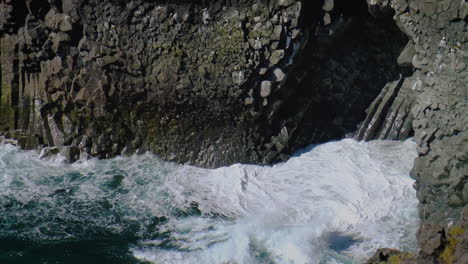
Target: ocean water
(333, 203)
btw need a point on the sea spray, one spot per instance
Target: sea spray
(239, 214)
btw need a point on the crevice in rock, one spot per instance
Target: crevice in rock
(15, 89)
(39, 8)
(19, 12)
(47, 130)
(341, 69)
(76, 34)
(59, 5)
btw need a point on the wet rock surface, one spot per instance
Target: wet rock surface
(213, 83)
(388, 255)
(437, 102)
(440, 119)
(209, 83)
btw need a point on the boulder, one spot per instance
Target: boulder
(265, 89)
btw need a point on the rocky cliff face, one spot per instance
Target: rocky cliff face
(210, 83)
(435, 97)
(213, 83)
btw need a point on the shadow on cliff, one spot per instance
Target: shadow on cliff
(341, 69)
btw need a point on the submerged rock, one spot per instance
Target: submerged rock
(70, 153)
(49, 152)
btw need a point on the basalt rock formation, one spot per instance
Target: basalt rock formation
(213, 83)
(209, 83)
(435, 98)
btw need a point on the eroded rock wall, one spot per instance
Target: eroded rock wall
(173, 77)
(210, 83)
(435, 98)
(438, 32)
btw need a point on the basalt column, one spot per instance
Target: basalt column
(210, 83)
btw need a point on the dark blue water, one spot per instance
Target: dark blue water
(318, 208)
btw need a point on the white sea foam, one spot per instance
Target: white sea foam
(282, 212)
(238, 214)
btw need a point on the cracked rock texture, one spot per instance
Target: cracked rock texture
(213, 83)
(208, 83)
(435, 98)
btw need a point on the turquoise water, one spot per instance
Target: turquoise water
(335, 203)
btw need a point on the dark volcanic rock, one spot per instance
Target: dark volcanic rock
(437, 101)
(209, 83)
(388, 255)
(438, 30)
(438, 95)
(217, 82)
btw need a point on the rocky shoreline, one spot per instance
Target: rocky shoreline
(212, 83)
(204, 83)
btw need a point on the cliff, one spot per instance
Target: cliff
(213, 83)
(206, 83)
(437, 95)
